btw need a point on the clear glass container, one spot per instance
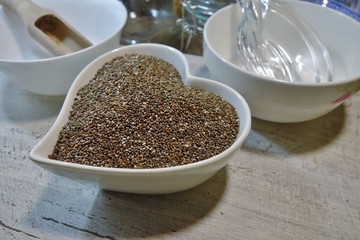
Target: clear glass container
(194, 16)
(151, 21)
(296, 57)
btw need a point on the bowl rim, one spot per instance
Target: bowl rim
(338, 6)
(123, 16)
(79, 81)
(268, 79)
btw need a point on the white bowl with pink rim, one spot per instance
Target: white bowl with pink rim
(281, 101)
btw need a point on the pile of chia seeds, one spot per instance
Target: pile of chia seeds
(137, 113)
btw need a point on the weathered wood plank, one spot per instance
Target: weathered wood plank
(289, 181)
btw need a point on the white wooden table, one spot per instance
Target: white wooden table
(289, 181)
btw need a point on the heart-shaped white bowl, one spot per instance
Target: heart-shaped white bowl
(147, 181)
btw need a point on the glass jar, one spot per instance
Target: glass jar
(194, 16)
(150, 21)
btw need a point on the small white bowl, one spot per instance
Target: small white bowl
(25, 62)
(280, 101)
(150, 181)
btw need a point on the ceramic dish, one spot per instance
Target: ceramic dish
(345, 7)
(281, 101)
(151, 181)
(31, 67)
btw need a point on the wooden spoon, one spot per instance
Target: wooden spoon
(45, 26)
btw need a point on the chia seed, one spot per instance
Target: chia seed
(137, 113)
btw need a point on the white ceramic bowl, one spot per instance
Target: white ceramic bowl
(350, 8)
(24, 61)
(281, 101)
(152, 181)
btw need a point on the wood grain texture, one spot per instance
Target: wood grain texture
(289, 181)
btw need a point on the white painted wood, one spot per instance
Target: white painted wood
(289, 181)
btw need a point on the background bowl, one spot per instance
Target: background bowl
(281, 101)
(350, 8)
(24, 61)
(152, 181)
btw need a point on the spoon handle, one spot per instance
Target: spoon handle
(28, 11)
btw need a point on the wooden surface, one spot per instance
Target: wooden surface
(289, 181)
